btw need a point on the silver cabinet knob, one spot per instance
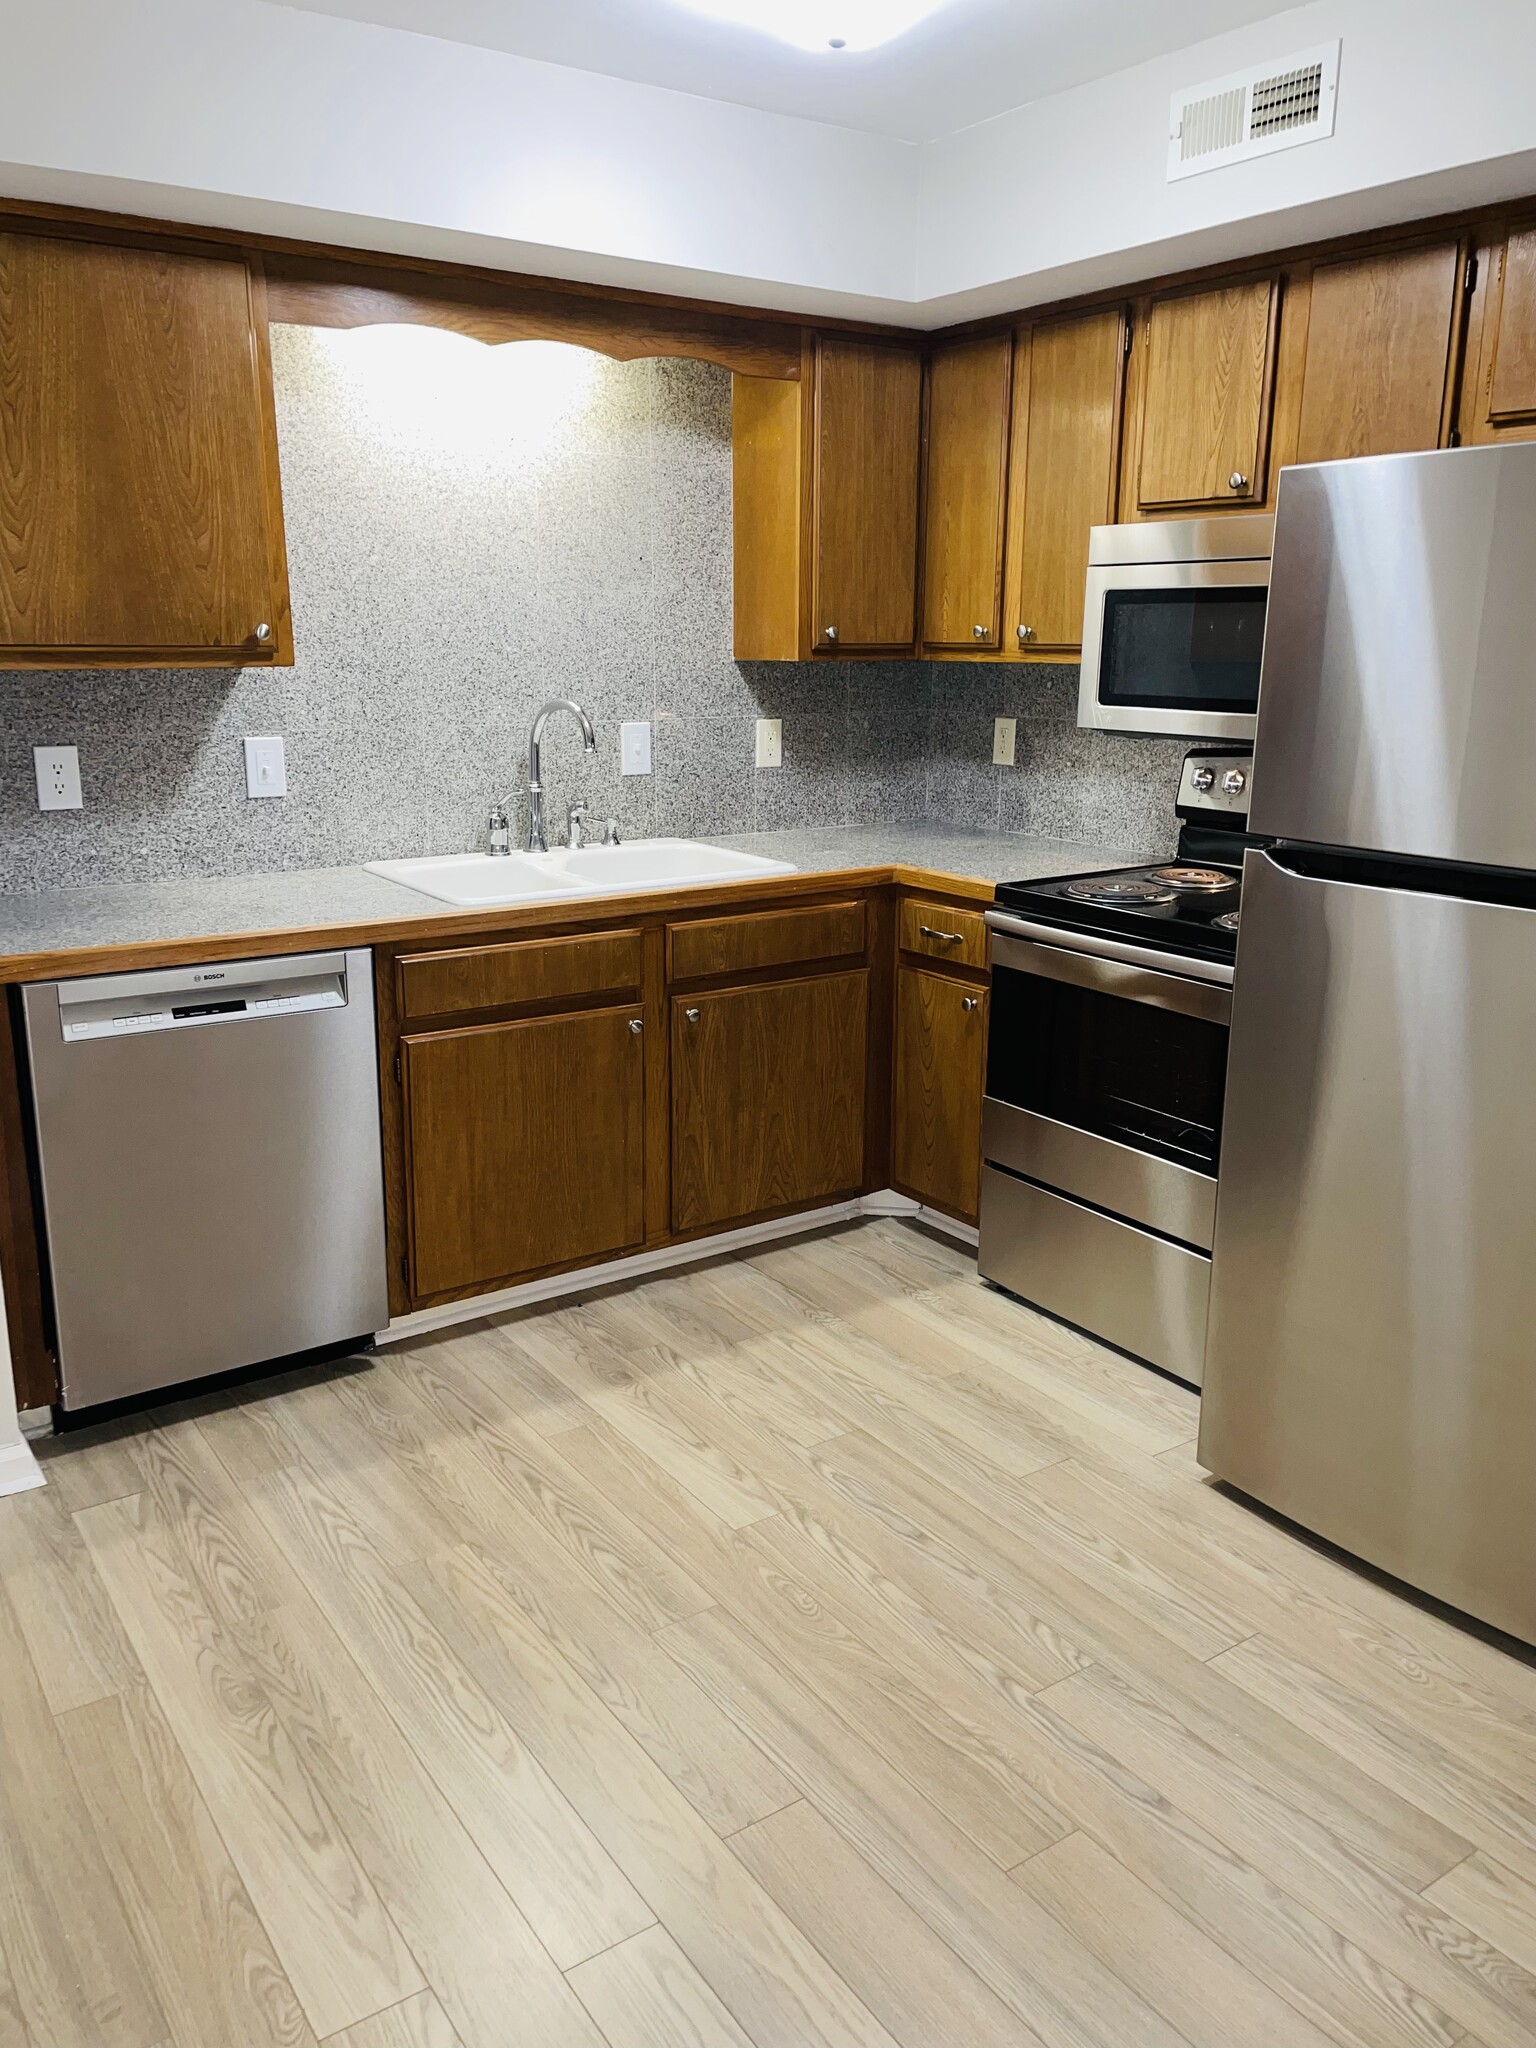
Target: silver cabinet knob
(1026, 633)
(636, 1026)
(969, 1003)
(692, 1016)
(1203, 779)
(1237, 481)
(262, 633)
(979, 632)
(1234, 782)
(829, 633)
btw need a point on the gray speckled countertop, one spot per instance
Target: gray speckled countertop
(308, 901)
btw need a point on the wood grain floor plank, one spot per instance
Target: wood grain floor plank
(89, 1466)
(775, 1983)
(77, 1646)
(974, 1778)
(565, 1883)
(419, 2022)
(1492, 1809)
(703, 1752)
(214, 1970)
(1495, 1902)
(1023, 1955)
(1421, 1943)
(238, 1569)
(78, 1977)
(893, 1959)
(338, 1945)
(492, 1352)
(632, 1569)
(14, 2032)
(495, 1980)
(646, 1994)
(1190, 1979)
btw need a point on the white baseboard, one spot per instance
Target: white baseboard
(19, 1470)
(886, 1203)
(36, 1421)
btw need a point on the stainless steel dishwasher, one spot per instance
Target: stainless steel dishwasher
(208, 1145)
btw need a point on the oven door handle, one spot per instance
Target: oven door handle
(1166, 981)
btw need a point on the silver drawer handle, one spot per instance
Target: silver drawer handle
(692, 1016)
(926, 931)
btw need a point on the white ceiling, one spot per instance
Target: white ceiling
(972, 59)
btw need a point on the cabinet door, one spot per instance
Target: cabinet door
(524, 1146)
(1068, 386)
(1506, 406)
(941, 1044)
(767, 1097)
(1380, 340)
(1206, 402)
(967, 466)
(138, 487)
(868, 427)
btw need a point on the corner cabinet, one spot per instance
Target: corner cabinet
(140, 513)
(825, 489)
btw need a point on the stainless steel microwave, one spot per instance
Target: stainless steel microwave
(1173, 626)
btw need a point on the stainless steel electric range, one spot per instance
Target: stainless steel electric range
(1106, 1066)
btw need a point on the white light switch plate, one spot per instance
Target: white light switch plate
(635, 746)
(266, 769)
(770, 743)
(58, 778)
(1004, 734)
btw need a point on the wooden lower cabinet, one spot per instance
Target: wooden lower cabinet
(525, 1146)
(941, 1050)
(767, 1097)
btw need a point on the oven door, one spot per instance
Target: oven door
(1174, 647)
(1101, 1131)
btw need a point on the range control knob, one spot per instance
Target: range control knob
(1202, 779)
(1234, 782)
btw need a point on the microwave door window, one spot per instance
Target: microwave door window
(1182, 650)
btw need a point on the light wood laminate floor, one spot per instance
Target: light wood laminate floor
(808, 1650)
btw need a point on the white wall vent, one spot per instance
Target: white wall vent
(1254, 112)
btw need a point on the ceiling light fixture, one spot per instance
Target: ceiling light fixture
(823, 24)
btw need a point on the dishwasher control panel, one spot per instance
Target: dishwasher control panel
(107, 1006)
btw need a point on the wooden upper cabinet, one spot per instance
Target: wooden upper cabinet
(140, 516)
(965, 477)
(825, 474)
(1505, 398)
(1382, 333)
(1068, 389)
(868, 428)
(1207, 389)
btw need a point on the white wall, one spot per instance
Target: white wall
(242, 113)
(1436, 110)
(236, 113)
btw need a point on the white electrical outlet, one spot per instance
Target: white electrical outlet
(635, 746)
(1004, 735)
(266, 769)
(58, 778)
(770, 743)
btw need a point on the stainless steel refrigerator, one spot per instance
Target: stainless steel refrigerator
(1371, 1360)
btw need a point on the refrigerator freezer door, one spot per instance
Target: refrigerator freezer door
(1371, 1360)
(1397, 704)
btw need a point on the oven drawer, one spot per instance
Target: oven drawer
(1139, 1292)
(1164, 1196)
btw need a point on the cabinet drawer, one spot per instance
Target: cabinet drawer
(944, 933)
(530, 971)
(767, 938)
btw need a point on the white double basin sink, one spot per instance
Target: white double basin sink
(572, 874)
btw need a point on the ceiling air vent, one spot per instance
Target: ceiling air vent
(1253, 112)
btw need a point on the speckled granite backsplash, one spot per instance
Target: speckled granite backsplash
(469, 531)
